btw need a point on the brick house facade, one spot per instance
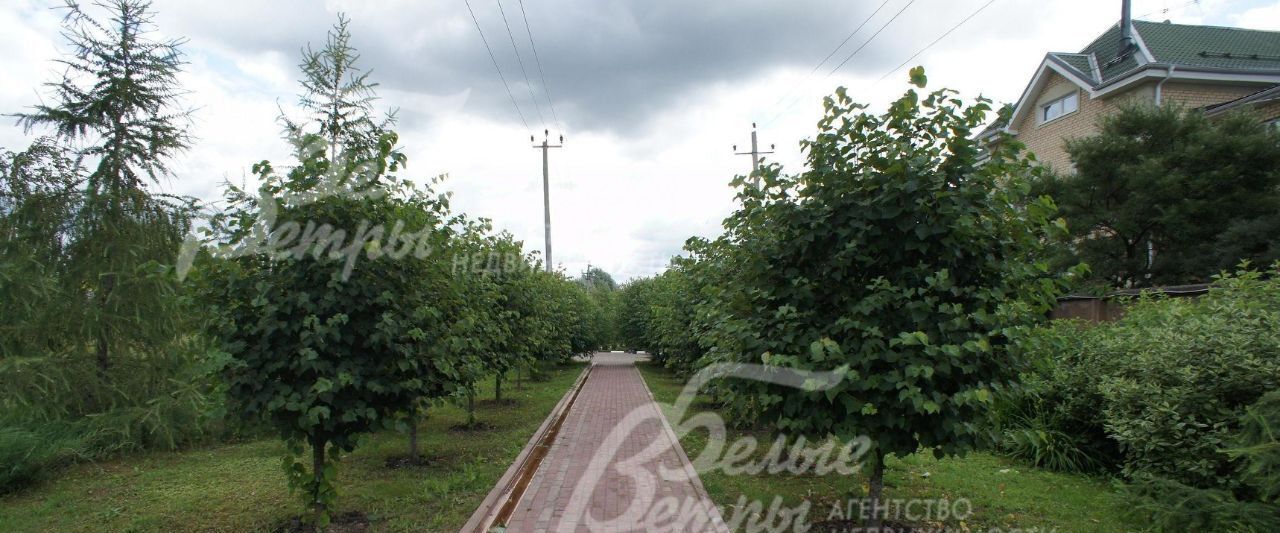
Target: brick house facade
(1211, 69)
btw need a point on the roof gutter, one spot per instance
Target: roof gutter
(1149, 71)
(1152, 70)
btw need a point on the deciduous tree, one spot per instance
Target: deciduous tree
(332, 297)
(898, 260)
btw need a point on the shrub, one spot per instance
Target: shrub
(60, 409)
(1258, 447)
(1182, 372)
(1169, 505)
(1162, 391)
(1052, 420)
(1166, 505)
(23, 457)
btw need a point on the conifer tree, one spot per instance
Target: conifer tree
(338, 97)
(118, 103)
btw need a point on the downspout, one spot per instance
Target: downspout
(1160, 86)
(1151, 256)
(1151, 249)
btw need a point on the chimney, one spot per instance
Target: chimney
(1126, 27)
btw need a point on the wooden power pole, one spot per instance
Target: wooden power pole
(546, 189)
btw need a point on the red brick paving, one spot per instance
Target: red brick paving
(568, 493)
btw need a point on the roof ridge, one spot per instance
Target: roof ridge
(1214, 26)
(1246, 99)
(1096, 40)
(1085, 74)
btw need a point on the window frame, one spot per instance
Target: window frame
(1061, 103)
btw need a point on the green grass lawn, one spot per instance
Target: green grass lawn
(241, 487)
(1003, 493)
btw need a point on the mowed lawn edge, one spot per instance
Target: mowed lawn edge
(1002, 493)
(242, 486)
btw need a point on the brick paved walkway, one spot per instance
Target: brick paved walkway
(593, 479)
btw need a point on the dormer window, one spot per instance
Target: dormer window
(1062, 106)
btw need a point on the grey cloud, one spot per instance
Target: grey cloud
(610, 65)
(658, 240)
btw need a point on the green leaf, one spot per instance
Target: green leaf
(918, 78)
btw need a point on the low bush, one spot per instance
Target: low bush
(1258, 447)
(61, 409)
(1167, 505)
(1161, 391)
(1170, 397)
(23, 456)
(1052, 420)
(1170, 505)
(1182, 372)
(30, 452)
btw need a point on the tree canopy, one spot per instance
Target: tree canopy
(116, 121)
(1163, 195)
(898, 260)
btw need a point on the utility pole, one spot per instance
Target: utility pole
(546, 189)
(755, 154)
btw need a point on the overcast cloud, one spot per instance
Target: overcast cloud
(650, 94)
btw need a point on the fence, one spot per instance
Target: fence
(1110, 306)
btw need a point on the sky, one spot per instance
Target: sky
(650, 95)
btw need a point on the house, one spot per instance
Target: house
(1207, 68)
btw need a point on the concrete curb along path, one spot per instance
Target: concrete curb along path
(512, 484)
(588, 478)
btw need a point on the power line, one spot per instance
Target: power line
(520, 60)
(847, 58)
(833, 52)
(546, 89)
(935, 41)
(1167, 9)
(495, 65)
(872, 38)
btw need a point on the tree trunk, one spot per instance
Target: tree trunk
(104, 354)
(497, 387)
(104, 348)
(875, 490)
(414, 456)
(471, 407)
(317, 470)
(519, 378)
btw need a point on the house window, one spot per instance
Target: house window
(1063, 106)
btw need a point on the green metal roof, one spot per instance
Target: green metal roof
(1106, 51)
(1196, 52)
(1182, 45)
(1079, 62)
(1211, 46)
